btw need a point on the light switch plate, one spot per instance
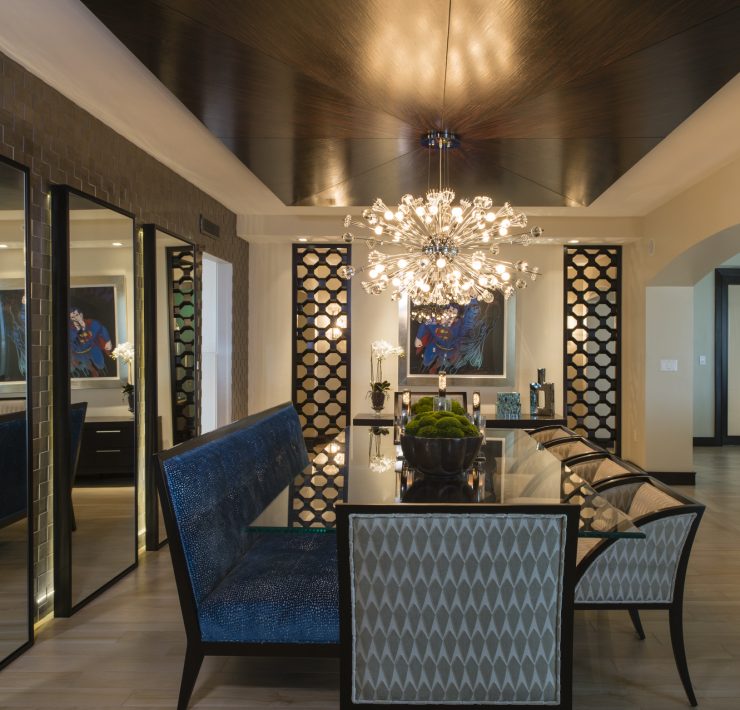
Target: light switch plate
(669, 365)
(702, 359)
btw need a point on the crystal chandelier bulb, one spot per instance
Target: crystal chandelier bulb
(441, 262)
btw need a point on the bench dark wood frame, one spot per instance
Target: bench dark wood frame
(674, 608)
(197, 648)
(344, 510)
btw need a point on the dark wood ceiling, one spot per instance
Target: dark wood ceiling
(325, 100)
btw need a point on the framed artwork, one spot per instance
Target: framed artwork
(12, 335)
(476, 349)
(96, 324)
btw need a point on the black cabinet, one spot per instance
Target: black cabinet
(107, 452)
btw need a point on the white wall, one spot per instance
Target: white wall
(669, 395)
(270, 325)
(539, 328)
(215, 344)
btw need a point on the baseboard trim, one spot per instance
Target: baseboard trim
(706, 441)
(675, 478)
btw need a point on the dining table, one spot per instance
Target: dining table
(365, 465)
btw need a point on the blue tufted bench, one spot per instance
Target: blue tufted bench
(246, 590)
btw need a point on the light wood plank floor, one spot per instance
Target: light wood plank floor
(125, 650)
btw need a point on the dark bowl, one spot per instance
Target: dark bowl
(443, 458)
(439, 490)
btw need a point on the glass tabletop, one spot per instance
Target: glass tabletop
(364, 465)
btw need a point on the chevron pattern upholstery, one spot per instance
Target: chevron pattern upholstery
(639, 571)
(456, 609)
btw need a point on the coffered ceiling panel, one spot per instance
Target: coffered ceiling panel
(325, 100)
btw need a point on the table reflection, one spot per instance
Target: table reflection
(363, 465)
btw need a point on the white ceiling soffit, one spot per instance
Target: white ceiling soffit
(706, 141)
(65, 45)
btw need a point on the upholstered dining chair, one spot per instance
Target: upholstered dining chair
(570, 446)
(648, 573)
(445, 605)
(549, 432)
(599, 467)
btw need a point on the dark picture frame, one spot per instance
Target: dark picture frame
(478, 349)
(99, 304)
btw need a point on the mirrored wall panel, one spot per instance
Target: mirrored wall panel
(170, 293)
(98, 517)
(15, 609)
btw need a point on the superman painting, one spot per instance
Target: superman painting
(92, 332)
(473, 344)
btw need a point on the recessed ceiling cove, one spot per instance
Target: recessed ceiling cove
(326, 100)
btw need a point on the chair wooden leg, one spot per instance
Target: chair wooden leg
(193, 661)
(635, 616)
(675, 617)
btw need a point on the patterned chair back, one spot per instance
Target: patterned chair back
(214, 486)
(645, 571)
(448, 605)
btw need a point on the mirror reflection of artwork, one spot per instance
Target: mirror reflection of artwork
(92, 331)
(12, 335)
(473, 344)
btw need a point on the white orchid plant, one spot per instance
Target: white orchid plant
(379, 351)
(125, 352)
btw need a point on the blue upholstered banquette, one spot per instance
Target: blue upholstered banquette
(246, 590)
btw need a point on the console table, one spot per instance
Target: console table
(108, 451)
(526, 421)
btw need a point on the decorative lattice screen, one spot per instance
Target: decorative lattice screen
(181, 295)
(592, 342)
(321, 378)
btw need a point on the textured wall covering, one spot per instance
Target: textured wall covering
(63, 144)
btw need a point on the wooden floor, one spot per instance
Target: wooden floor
(126, 648)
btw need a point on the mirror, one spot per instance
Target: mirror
(95, 343)
(15, 615)
(169, 288)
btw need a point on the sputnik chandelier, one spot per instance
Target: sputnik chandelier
(438, 253)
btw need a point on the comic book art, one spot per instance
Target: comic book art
(473, 344)
(12, 335)
(92, 331)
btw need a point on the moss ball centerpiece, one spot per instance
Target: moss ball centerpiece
(441, 444)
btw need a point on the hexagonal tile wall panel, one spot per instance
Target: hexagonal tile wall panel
(591, 361)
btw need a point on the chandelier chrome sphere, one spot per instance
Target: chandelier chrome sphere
(438, 252)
